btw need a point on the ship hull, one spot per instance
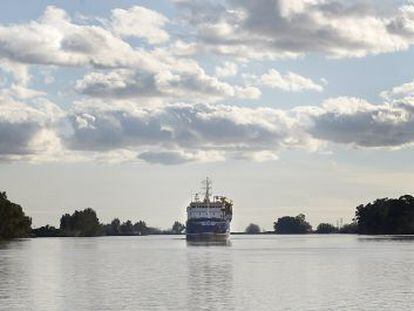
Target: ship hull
(207, 230)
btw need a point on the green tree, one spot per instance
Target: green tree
(13, 222)
(177, 227)
(386, 216)
(292, 225)
(326, 228)
(351, 228)
(81, 223)
(252, 229)
(115, 226)
(127, 228)
(140, 228)
(46, 231)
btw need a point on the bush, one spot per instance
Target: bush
(252, 229)
(46, 231)
(351, 228)
(292, 225)
(326, 228)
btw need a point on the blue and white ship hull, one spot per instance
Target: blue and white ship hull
(207, 230)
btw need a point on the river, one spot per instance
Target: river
(262, 272)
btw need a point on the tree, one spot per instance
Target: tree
(351, 228)
(140, 228)
(386, 216)
(46, 231)
(127, 228)
(115, 227)
(252, 229)
(81, 223)
(177, 227)
(292, 225)
(13, 222)
(326, 228)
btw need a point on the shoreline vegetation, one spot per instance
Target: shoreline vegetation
(383, 216)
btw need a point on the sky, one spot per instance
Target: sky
(290, 106)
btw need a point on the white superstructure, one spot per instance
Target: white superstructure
(200, 210)
(218, 208)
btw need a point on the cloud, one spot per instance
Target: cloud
(257, 134)
(194, 131)
(54, 40)
(289, 28)
(21, 92)
(398, 92)
(194, 85)
(353, 121)
(120, 71)
(140, 22)
(128, 69)
(258, 156)
(178, 133)
(179, 157)
(182, 132)
(240, 28)
(27, 130)
(19, 72)
(291, 82)
(165, 157)
(228, 69)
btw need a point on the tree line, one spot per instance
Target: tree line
(85, 223)
(299, 225)
(383, 216)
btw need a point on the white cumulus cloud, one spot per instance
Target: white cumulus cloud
(398, 92)
(289, 82)
(140, 22)
(228, 69)
(194, 85)
(289, 28)
(28, 130)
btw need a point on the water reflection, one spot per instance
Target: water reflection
(3, 244)
(5, 273)
(209, 243)
(163, 273)
(209, 277)
(380, 238)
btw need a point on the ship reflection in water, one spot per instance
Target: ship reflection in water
(208, 243)
(209, 276)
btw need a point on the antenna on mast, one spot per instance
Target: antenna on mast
(207, 188)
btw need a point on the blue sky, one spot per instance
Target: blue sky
(290, 106)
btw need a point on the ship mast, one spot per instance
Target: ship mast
(207, 186)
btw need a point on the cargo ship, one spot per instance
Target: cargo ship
(208, 219)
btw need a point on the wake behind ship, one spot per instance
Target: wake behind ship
(209, 219)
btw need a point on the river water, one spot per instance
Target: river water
(267, 272)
